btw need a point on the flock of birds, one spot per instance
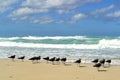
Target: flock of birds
(97, 63)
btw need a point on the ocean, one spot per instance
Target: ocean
(73, 47)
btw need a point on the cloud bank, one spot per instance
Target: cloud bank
(57, 11)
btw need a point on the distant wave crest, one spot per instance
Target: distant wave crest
(76, 42)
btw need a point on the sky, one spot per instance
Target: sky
(59, 17)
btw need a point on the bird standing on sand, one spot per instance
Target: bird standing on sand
(38, 58)
(35, 58)
(98, 65)
(46, 58)
(57, 60)
(102, 62)
(22, 58)
(12, 57)
(32, 58)
(63, 60)
(78, 61)
(108, 61)
(52, 60)
(95, 60)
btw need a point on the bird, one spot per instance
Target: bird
(97, 65)
(22, 58)
(46, 58)
(78, 61)
(102, 62)
(52, 60)
(108, 61)
(12, 57)
(95, 60)
(32, 58)
(63, 60)
(38, 58)
(57, 60)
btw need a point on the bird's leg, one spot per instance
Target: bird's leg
(98, 68)
(53, 62)
(47, 61)
(22, 60)
(13, 60)
(104, 65)
(64, 63)
(79, 64)
(108, 64)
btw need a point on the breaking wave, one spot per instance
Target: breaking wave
(75, 42)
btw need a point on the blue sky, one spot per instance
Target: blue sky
(59, 17)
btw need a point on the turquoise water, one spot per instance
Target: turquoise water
(73, 47)
(58, 39)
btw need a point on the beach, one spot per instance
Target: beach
(18, 70)
(59, 40)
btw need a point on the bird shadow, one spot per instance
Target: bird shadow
(102, 70)
(36, 62)
(67, 64)
(82, 66)
(106, 66)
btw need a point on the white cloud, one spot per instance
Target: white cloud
(49, 3)
(114, 15)
(5, 4)
(102, 10)
(20, 19)
(32, 3)
(61, 11)
(56, 3)
(33, 7)
(27, 11)
(2, 9)
(42, 20)
(78, 17)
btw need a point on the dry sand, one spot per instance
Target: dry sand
(18, 70)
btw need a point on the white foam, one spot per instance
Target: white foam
(114, 43)
(10, 38)
(36, 45)
(55, 37)
(103, 43)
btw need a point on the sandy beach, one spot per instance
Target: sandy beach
(26, 70)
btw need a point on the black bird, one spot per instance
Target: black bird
(12, 57)
(33, 58)
(98, 65)
(52, 60)
(57, 59)
(95, 60)
(78, 61)
(108, 61)
(38, 58)
(64, 60)
(102, 62)
(46, 58)
(22, 58)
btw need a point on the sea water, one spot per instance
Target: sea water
(73, 47)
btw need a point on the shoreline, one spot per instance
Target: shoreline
(70, 61)
(26, 70)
